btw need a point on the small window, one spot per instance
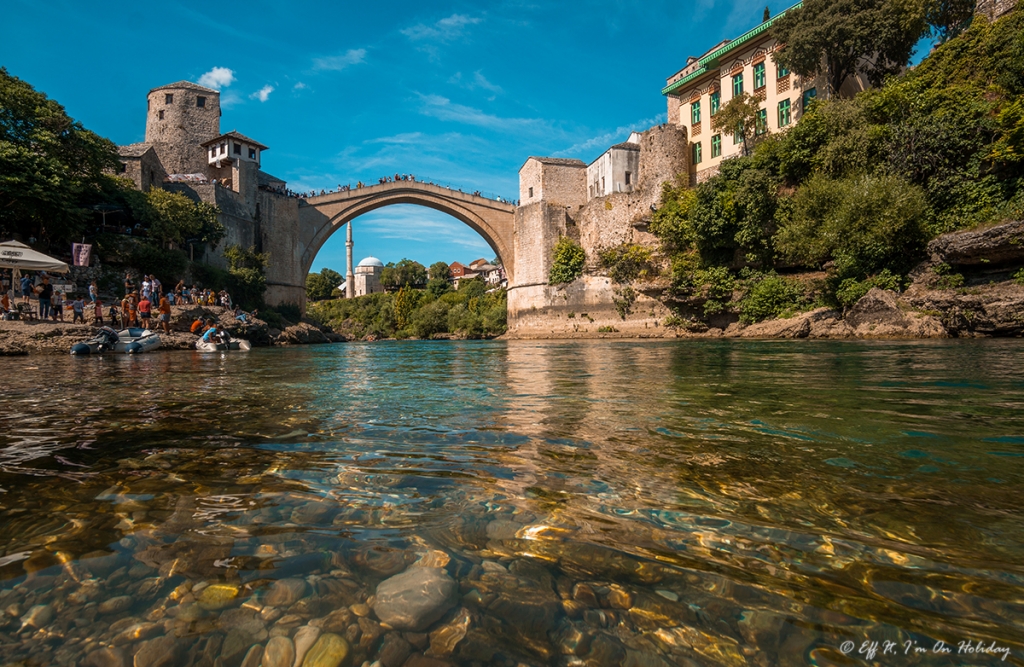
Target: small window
(809, 95)
(716, 102)
(695, 112)
(737, 136)
(168, 98)
(149, 105)
(784, 113)
(213, 151)
(161, 114)
(223, 149)
(123, 168)
(737, 85)
(252, 153)
(762, 121)
(781, 72)
(696, 153)
(602, 185)
(201, 102)
(238, 148)
(531, 193)
(759, 76)
(629, 178)
(716, 146)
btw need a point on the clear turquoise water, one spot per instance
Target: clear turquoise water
(752, 502)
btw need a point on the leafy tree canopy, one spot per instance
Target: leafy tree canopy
(840, 38)
(320, 286)
(51, 168)
(740, 116)
(174, 218)
(405, 273)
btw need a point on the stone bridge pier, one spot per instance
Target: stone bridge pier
(296, 239)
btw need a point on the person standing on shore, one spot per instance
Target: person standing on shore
(26, 288)
(165, 314)
(57, 306)
(78, 310)
(45, 293)
(145, 310)
(92, 292)
(97, 319)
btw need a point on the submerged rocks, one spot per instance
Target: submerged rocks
(330, 650)
(279, 652)
(285, 592)
(415, 598)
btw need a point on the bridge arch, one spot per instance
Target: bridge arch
(326, 214)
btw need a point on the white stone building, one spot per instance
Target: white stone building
(615, 170)
(367, 276)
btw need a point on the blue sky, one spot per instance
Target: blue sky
(455, 92)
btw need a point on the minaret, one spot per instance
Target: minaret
(350, 277)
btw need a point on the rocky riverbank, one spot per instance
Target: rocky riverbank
(968, 287)
(35, 337)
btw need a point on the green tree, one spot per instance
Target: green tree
(862, 225)
(247, 272)
(405, 273)
(438, 283)
(174, 218)
(51, 168)
(320, 286)
(567, 262)
(739, 116)
(840, 38)
(949, 18)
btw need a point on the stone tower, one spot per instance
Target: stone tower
(179, 117)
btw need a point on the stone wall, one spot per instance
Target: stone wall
(553, 180)
(993, 9)
(278, 237)
(145, 171)
(534, 307)
(581, 308)
(538, 227)
(184, 126)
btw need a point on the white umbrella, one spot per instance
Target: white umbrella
(14, 255)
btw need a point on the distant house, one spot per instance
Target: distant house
(478, 268)
(457, 270)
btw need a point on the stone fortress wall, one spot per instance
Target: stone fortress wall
(537, 309)
(179, 117)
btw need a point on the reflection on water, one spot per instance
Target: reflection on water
(594, 503)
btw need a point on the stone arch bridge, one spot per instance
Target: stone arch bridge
(321, 216)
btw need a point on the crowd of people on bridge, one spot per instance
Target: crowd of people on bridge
(397, 178)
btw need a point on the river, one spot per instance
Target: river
(595, 503)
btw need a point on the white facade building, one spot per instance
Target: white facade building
(616, 169)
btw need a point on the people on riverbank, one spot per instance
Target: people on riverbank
(45, 293)
(78, 310)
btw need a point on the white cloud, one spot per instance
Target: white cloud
(299, 86)
(478, 81)
(263, 93)
(340, 62)
(481, 81)
(217, 78)
(230, 99)
(609, 138)
(444, 30)
(444, 109)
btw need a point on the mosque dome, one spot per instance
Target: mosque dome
(371, 261)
